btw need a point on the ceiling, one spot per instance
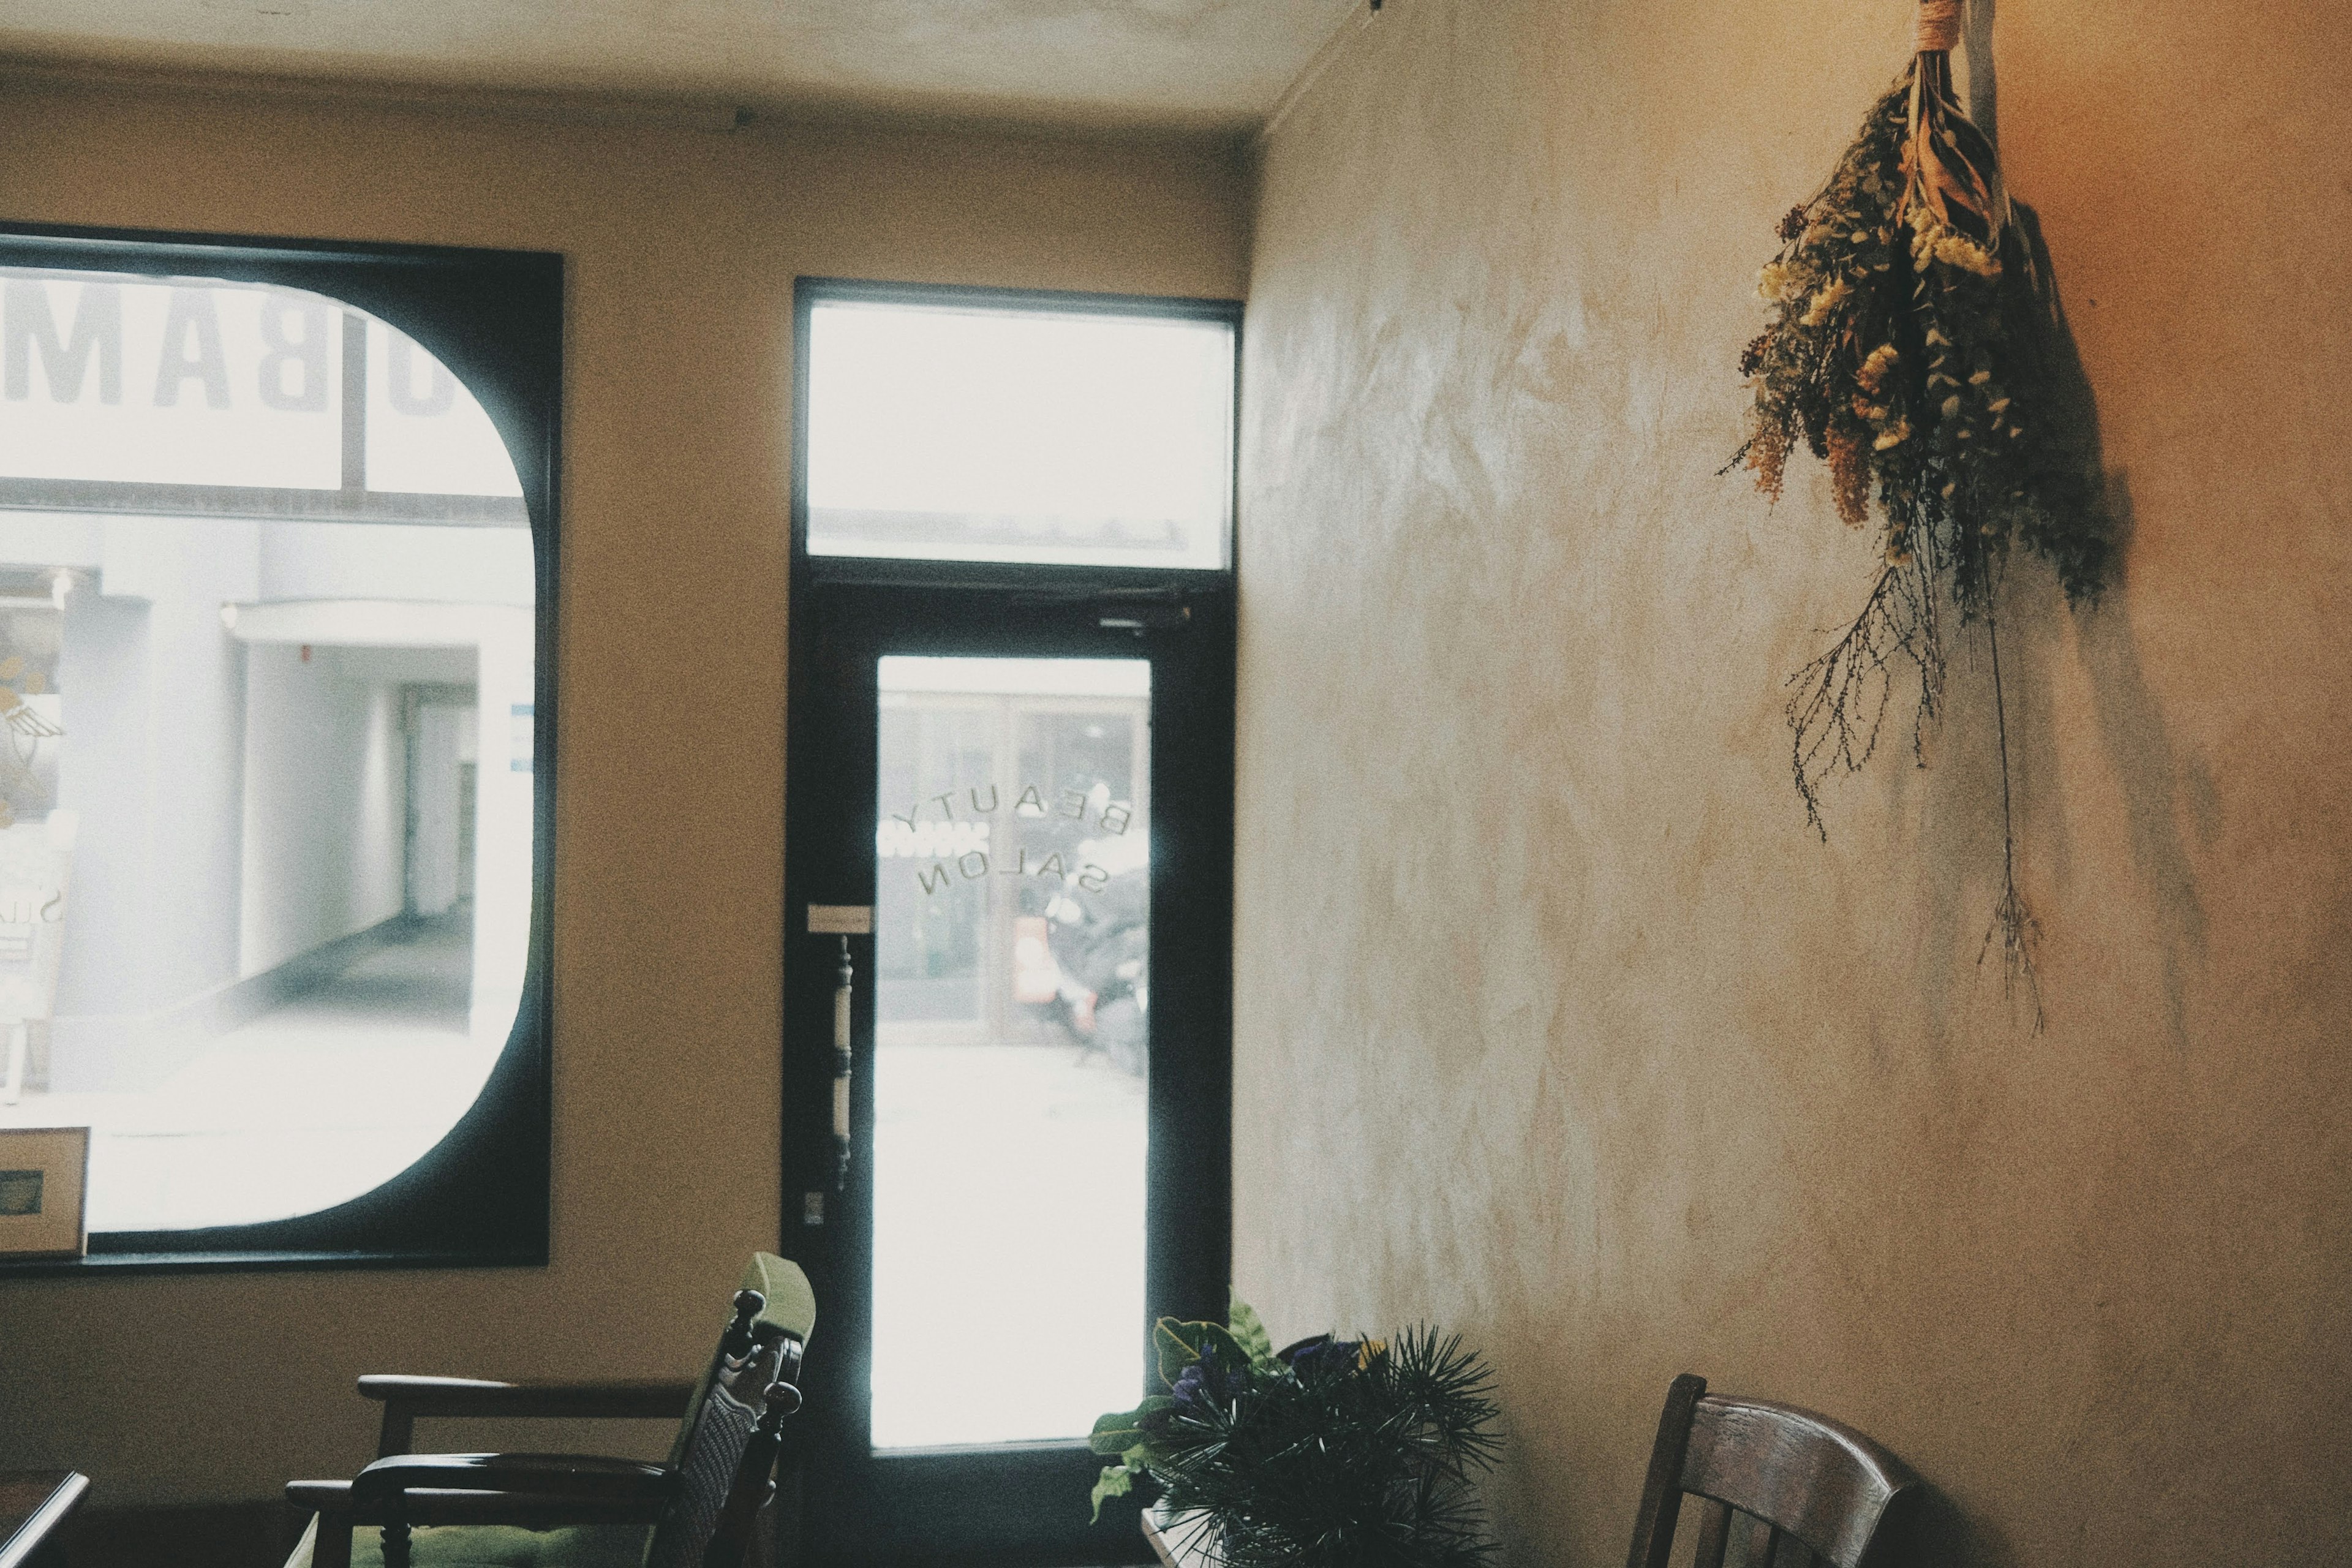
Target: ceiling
(1189, 65)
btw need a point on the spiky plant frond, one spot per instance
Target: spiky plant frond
(1334, 1454)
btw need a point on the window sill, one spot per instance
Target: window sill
(107, 1265)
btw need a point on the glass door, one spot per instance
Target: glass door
(1038, 819)
(1009, 846)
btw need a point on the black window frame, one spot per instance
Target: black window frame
(479, 1198)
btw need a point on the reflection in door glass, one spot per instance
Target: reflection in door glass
(1012, 1002)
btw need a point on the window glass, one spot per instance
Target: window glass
(971, 433)
(266, 799)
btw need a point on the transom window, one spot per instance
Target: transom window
(953, 432)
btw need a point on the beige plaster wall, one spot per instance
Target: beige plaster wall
(1556, 1023)
(682, 249)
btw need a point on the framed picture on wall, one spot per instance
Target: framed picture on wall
(44, 1178)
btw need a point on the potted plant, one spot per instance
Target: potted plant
(1329, 1453)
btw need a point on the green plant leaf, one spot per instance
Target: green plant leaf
(1116, 1480)
(1181, 1344)
(1122, 1433)
(1249, 1332)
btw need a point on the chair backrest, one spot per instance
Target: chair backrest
(775, 1293)
(1778, 1487)
(728, 1445)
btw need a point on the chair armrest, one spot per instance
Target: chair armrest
(650, 1400)
(540, 1475)
(434, 1505)
(404, 1399)
(320, 1497)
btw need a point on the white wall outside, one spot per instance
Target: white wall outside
(153, 760)
(433, 849)
(325, 803)
(241, 808)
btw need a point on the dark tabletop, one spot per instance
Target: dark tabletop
(32, 1504)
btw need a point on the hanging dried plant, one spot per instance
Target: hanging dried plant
(1908, 350)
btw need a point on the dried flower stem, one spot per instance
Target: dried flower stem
(2012, 920)
(1842, 697)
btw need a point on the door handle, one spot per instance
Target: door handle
(841, 921)
(843, 1064)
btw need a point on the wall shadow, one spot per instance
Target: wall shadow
(2157, 783)
(1940, 1533)
(2168, 798)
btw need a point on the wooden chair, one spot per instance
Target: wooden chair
(1791, 1488)
(700, 1510)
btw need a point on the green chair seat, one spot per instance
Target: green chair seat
(497, 1546)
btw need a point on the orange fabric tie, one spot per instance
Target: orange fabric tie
(1939, 26)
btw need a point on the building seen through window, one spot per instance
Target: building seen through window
(267, 652)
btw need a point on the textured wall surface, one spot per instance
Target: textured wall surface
(1556, 1022)
(681, 251)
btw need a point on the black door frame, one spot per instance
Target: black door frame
(1025, 1505)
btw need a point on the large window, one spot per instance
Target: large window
(276, 548)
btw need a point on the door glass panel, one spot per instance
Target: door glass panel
(1011, 998)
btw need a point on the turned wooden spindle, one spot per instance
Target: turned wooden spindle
(396, 1531)
(737, 1340)
(778, 1360)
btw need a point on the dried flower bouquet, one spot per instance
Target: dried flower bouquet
(1909, 348)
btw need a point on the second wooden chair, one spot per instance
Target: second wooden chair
(1778, 1487)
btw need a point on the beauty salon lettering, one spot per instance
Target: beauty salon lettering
(952, 826)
